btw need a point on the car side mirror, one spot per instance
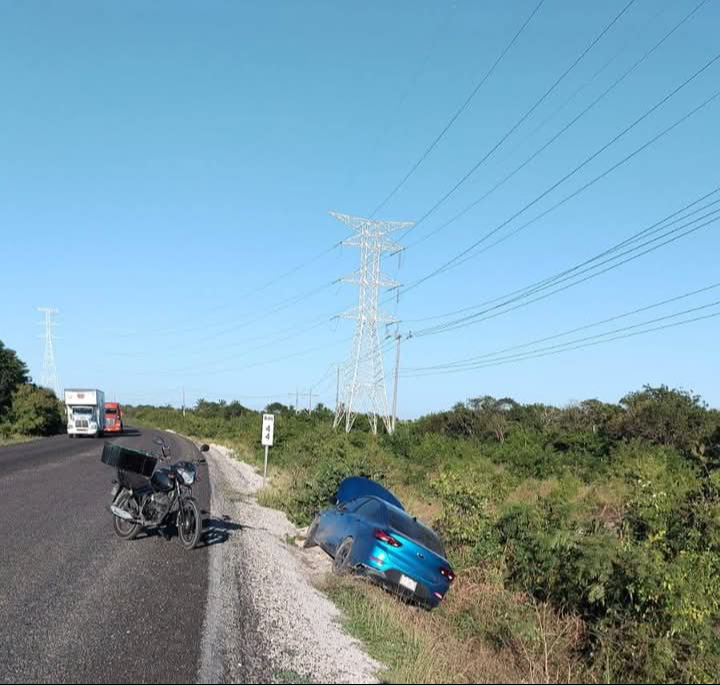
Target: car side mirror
(204, 447)
(341, 506)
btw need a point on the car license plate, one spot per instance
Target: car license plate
(408, 583)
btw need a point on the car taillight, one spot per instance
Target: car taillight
(447, 573)
(387, 539)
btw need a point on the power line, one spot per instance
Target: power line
(471, 360)
(540, 125)
(592, 182)
(521, 120)
(484, 316)
(408, 88)
(589, 341)
(466, 254)
(457, 113)
(597, 260)
(197, 371)
(653, 228)
(279, 307)
(270, 337)
(563, 130)
(172, 331)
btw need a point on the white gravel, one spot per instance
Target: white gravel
(265, 620)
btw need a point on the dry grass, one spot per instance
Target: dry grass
(483, 634)
(425, 508)
(275, 495)
(15, 439)
(531, 490)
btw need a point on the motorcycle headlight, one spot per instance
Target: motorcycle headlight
(187, 475)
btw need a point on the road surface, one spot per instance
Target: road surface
(77, 604)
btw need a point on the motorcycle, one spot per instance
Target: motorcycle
(145, 496)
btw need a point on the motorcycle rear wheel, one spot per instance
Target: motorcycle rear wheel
(189, 523)
(126, 529)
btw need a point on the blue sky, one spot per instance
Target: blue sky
(161, 161)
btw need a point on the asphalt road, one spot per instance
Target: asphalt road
(77, 604)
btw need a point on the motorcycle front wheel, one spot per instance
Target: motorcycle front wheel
(189, 523)
(126, 529)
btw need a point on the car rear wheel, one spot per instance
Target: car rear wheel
(310, 536)
(342, 562)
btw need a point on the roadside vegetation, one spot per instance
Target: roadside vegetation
(586, 538)
(26, 410)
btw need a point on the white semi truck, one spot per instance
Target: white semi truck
(85, 412)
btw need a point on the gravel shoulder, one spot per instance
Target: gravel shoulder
(265, 621)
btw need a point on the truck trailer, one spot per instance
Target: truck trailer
(85, 412)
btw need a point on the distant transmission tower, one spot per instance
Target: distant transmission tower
(363, 388)
(49, 377)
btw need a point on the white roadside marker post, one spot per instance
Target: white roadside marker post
(266, 439)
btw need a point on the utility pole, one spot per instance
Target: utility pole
(364, 390)
(297, 399)
(183, 401)
(398, 338)
(310, 396)
(49, 378)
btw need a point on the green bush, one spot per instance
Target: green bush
(13, 373)
(34, 411)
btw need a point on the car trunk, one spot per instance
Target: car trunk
(415, 560)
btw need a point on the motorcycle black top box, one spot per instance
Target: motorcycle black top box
(126, 459)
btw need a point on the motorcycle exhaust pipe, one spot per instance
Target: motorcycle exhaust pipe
(121, 513)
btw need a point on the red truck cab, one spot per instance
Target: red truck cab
(113, 417)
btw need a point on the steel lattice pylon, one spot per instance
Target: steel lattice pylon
(49, 378)
(363, 389)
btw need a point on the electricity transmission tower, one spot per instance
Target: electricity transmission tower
(363, 389)
(49, 378)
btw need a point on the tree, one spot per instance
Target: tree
(322, 412)
(35, 411)
(13, 372)
(234, 409)
(493, 414)
(592, 416)
(667, 417)
(277, 408)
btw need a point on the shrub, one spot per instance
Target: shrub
(35, 411)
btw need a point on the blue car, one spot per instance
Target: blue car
(370, 533)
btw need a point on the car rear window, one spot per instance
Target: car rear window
(414, 530)
(372, 510)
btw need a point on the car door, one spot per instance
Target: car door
(341, 523)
